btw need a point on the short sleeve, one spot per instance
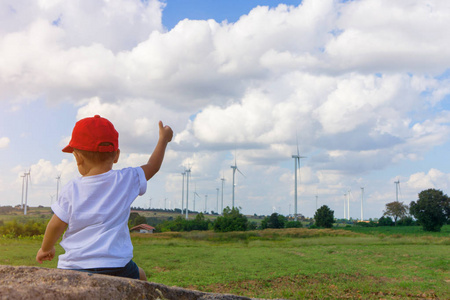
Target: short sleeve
(142, 181)
(62, 208)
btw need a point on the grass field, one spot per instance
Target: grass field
(290, 263)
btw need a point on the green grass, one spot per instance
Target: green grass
(290, 264)
(399, 230)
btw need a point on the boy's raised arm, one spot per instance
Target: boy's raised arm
(154, 163)
(55, 228)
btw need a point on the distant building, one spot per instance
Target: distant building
(143, 228)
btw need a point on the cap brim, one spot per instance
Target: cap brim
(67, 149)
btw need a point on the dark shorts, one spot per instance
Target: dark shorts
(130, 270)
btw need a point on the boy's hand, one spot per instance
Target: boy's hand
(45, 255)
(165, 132)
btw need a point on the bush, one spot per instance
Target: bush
(180, 224)
(293, 224)
(385, 221)
(17, 229)
(406, 221)
(274, 221)
(365, 224)
(232, 220)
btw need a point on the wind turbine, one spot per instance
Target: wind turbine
(206, 201)
(222, 179)
(348, 204)
(58, 179)
(362, 199)
(195, 194)
(345, 209)
(182, 194)
(397, 183)
(188, 172)
(23, 185)
(234, 174)
(217, 203)
(27, 175)
(297, 160)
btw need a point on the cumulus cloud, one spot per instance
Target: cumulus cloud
(434, 179)
(4, 142)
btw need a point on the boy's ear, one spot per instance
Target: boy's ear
(116, 159)
(78, 157)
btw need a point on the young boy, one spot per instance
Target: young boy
(95, 207)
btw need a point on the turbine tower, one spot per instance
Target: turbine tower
(223, 179)
(58, 179)
(234, 174)
(188, 172)
(397, 183)
(297, 161)
(182, 194)
(217, 200)
(26, 176)
(23, 186)
(345, 207)
(348, 205)
(362, 207)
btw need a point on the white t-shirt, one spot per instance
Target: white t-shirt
(97, 209)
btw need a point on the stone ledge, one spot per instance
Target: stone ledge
(43, 283)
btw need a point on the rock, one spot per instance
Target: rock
(42, 283)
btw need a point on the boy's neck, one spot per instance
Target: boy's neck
(96, 170)
(87, 167)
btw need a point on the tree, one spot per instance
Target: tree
(293, 224)
(274, 221)
(396, 210)
(232, 220)
(431, 209)
(136, 219)
(385, 221)
(324, 217)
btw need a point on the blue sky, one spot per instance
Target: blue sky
(219, 10)
(362, 84)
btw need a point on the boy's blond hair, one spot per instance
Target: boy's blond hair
(97, 157)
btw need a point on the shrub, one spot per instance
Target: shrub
(274, 221)
(293, 224)
(17, 229)
(385, 221)
(232, 220)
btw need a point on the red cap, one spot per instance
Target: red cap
(89, 133)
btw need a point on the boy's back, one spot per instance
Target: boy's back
(97, 210)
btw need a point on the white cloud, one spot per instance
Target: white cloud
(434, 179)
(4, 142)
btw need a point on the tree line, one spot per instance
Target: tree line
(431, 211)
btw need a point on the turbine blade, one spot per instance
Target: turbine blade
(240, 172)
(296, 136)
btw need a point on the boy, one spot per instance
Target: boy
(95, 207)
